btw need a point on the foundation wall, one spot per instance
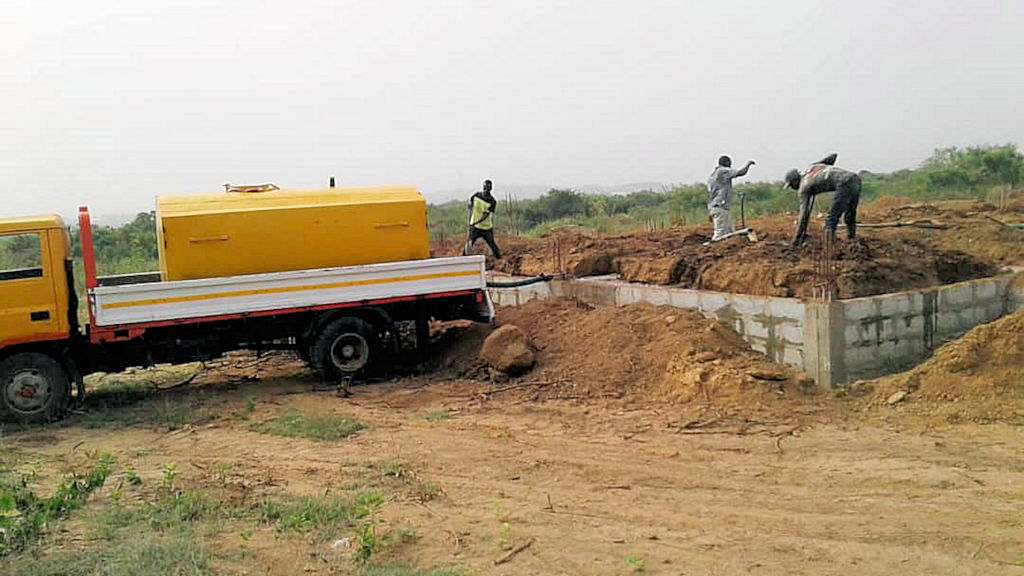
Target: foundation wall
(888, 333)
(835, 343)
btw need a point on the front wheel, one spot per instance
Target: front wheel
(34, 388)
(345, 348)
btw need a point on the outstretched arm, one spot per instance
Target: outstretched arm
(743, 171)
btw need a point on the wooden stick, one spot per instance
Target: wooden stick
(512, 553)
(926, 224)
(998, 221)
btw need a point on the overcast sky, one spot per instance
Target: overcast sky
(109, 103)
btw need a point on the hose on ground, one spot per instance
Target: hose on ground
(518, 283)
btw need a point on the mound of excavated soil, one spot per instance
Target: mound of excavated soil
(978, 378)
(969, 245)
(649, 353)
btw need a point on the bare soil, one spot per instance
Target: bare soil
(972, 243)
(597, 485)
(644, 439)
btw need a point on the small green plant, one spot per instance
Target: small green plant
(636, 562)
(295, 424)
(169, 473)
(24, 515)
(438, 416)
(222, 470)
(406, 535)
(132, 478)
(250, 403)
(500, 512)
(391, 468)
(367, 543)
(427, 492)
(505, 538)
(245, 536)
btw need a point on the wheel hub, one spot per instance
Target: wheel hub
(27, 391)
(350, 352)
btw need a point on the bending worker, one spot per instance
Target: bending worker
(720, 195)
(821, 177)
(481, 220)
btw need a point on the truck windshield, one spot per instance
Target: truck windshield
(20, 257)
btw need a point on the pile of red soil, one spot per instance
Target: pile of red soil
(652, 354)
(977, 378)
(972, 243)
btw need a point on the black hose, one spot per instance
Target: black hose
(518, 283)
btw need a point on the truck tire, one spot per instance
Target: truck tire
(34, 388)
(346, 347)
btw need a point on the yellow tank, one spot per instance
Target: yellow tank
(238, 233)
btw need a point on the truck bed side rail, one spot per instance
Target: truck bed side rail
(185, 299)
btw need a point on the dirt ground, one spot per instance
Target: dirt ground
(628, 449)
(969, 242)
(594, 487)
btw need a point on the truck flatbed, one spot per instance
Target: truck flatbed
(150, 302)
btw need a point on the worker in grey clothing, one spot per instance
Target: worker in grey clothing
(720, 195)
(821, 177)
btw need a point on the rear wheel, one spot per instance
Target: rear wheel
(345, 348)
(34, 388)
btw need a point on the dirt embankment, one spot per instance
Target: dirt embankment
(977, 378)
(643, 354)
(969, 242)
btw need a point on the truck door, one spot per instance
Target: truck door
(29, 308)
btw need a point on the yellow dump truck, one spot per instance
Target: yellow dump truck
(329, 273)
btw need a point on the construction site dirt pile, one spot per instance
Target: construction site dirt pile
(972, 240)
(976, 378)
(653, 354)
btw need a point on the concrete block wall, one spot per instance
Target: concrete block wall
(835, 343)
(884, 333)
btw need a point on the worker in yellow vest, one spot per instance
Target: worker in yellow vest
(481, 220)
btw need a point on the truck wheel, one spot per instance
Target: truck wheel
(346, 347)
(34, 388)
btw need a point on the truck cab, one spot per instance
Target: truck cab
(38, 315)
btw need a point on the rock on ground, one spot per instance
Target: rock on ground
(507, 349)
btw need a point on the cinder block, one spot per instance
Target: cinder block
(793, 356)
(858, 332)
(748, 305)
(946, 323)
(754, 328)
(655, 295)
(989, 313)
(955, 297)
(686, 299)
(915, 326)
(894, 305)
(714, 303)
(788, 308)
(861, 357)
(758, 345)
(791, 333)
(859, 309)
(986, 290)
